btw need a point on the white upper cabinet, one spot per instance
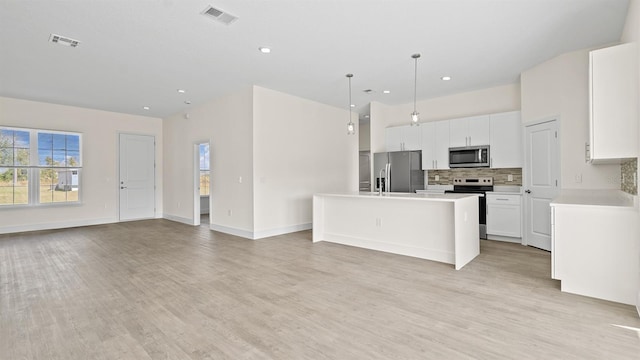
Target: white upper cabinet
(435, 145)
(403, 138)
(506, 140)
(469, 131)
(613, 91)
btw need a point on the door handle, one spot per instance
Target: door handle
(123, 187)
(528, 191)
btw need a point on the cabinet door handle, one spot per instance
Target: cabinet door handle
(502, 199)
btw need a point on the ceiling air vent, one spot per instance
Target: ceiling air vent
(219, 15)
(58, 39)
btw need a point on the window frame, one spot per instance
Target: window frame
(34, 169)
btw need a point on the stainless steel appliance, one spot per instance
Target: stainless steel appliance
(404, 173)
(469, 156)
(477, 186)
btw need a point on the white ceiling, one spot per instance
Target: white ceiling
(136, 53)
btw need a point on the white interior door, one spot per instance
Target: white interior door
(137, 177)
(541, 181)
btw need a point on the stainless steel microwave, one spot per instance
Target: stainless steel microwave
(469, 156)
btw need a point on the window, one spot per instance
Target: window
(14, 165)
(39, 167)
(204, 169)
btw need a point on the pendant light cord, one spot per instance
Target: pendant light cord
(415, 82)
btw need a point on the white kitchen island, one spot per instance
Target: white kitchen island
(439, 227)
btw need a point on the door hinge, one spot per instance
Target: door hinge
(556, 183)
(556, 134)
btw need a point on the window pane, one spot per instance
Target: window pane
(22, 156)
(204, 182)
(59, 185)
(6, 156)
(58, 150)
(14, 147)
(73, 158)
(59, 142)
(73, 143)
(21, 139)
(204, 156)
(14, 186)
(59, 158)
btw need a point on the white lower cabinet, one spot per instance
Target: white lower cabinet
(504, 216)
(595, 251)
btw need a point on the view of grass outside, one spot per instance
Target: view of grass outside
(204, 182)
(18, 193)
(204, 170)
(57, 176)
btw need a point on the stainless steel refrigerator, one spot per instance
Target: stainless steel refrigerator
(405, 175)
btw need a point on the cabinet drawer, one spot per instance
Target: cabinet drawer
(504, 199)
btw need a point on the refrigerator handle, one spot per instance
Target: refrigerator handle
(388, 180)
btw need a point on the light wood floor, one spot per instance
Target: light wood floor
(162, 290)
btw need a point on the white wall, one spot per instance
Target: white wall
(100, 162)
(560, 88)
(631, 33)
(364, 136)
(283, 147)
(301, 147)
(486, 101)
(226, 123)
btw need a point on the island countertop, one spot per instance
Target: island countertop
(451, 197)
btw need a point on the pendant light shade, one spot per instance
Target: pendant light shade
(351, 127)
(414, 114)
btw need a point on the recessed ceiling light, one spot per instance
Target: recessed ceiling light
(146, 107)
(386, 92)
(353, 105)
(446, 78)
(264, 50)
(182, 91)
(366, 116)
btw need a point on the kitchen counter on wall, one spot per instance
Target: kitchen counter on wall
(613, 198)
(439, 227)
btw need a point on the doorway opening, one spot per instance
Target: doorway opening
(202, 184)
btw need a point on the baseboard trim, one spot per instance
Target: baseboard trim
(281, 231)
(56, 225)
(179, 219)
(255, 235)
(232, 231)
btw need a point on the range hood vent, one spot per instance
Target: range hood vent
(58, 39)
(219, 15)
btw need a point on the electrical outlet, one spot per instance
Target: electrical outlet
(239, 179)
(578, 178)
(437, 177)
(510, 177)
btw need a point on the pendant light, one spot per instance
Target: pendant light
(351, 127)
(414, 114)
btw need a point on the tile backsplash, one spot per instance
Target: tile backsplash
(500, 176)
(629, 170)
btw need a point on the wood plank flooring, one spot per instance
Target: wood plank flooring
(163, 290)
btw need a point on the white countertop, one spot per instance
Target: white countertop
(506, 190)
(403, 196)
(590, 197)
